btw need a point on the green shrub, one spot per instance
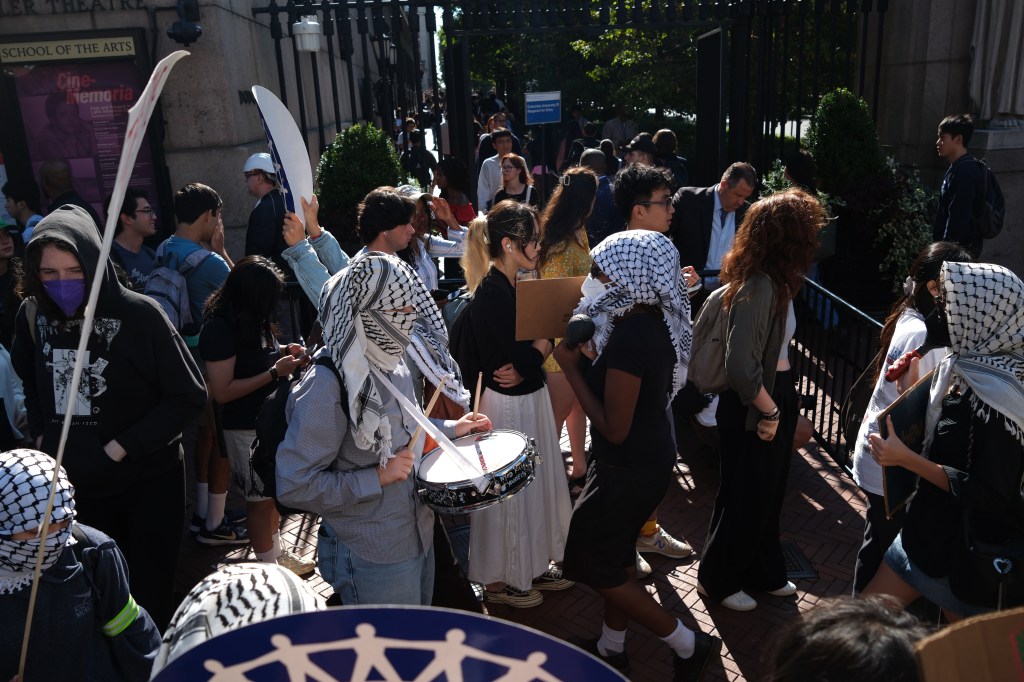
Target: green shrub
(360, 159)
(843, 142)
(904, 228)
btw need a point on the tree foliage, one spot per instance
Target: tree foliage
(360, 159)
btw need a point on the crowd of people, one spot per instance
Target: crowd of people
(186, 349)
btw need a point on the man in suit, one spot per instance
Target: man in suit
(705, 220)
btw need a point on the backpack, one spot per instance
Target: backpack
(168, 286)
(454, 307)
(462, 341)
(271, 427)
(707, 352)
(993, 208)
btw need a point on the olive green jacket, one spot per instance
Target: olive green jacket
(753, 343)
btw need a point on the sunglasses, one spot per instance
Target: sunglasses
(664, 203)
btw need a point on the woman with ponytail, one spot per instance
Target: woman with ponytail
(904, 331)
(513, 544)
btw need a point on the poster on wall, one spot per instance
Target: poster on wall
(77, 112)
(5, 217)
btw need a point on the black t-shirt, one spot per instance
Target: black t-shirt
(217, 342)
(639, 345)
(529, 196)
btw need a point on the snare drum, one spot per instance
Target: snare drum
(507, 459)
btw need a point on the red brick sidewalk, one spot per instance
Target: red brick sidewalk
(822, 516)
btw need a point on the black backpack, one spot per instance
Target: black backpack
(271, 427)
(462, 342)
(993, 208)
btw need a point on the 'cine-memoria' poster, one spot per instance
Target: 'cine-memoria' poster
(78, 112)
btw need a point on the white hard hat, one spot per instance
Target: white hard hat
(261, 161)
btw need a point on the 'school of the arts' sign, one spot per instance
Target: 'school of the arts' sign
(57, 50)
(26, 8)
(74, 94)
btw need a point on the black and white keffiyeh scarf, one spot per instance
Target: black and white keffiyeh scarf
(985, 310)
(234, 596)
(360, 310)
(25, 478)
(643, 267)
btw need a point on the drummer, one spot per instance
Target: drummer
(513, 544)
(347, 454)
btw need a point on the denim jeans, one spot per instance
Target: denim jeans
(358, 581)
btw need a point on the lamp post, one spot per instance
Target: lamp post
(393, 77)
(307, 39)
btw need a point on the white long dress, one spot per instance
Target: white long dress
(514, 541)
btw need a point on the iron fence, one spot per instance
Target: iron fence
(834, 343)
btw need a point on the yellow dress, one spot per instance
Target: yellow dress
(572, 260)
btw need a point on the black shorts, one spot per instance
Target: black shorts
(608, 517)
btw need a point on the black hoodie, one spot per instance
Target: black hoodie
(139, 385)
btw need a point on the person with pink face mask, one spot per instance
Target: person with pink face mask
(139, 388)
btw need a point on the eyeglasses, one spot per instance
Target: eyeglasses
(144, 210)
(251, 173)
(508, 168)
(665, 203)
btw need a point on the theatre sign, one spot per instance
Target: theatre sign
(27, 8)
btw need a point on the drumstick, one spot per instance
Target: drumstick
(430, 408)
(479, 384)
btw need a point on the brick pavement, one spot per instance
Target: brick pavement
(821, 515)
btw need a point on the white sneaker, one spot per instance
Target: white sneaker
(295, 564)
(738, 601)
(643, 569)
(664, 544)
(785, 591)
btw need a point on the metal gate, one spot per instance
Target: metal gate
(767, 62)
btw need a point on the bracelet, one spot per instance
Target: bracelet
(772, 416)
(274, 376)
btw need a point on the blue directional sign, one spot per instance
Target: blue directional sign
(543, 107)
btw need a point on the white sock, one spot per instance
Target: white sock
(681, 640)
(612, 641)
(275, 546)
(268, 557)
(202, 491)
(215, 509)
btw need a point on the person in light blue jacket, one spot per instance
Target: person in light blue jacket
(313, 253)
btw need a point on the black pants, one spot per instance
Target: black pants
(743, 550)
(146, 522)
(879, 532)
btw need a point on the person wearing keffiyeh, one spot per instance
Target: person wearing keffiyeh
(972, 469)
(351, 461)
(232, 597)
(637, 297)
(83, 605)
